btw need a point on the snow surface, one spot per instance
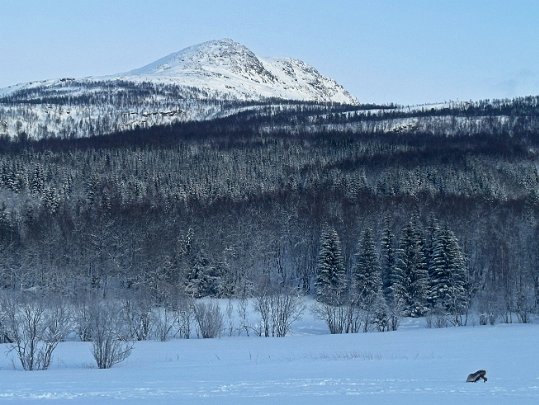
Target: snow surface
(413, 365)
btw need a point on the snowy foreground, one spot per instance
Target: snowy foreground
(411, 366)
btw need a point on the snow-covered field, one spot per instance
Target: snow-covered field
(414, 365)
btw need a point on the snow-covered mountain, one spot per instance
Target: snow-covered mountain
(205, 81)
(231, 69)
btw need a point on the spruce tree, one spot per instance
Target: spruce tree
(366, 277)
(366, 291)
(203, 279)
(448, 274)
(432, 232)
(410, 278)
(422, 256)
(388, 258)
(331, 275)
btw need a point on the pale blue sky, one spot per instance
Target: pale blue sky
(409, 51)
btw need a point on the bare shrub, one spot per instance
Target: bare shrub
(4, 338)
(229, 317)
(490, 307)
(286, 309)
(483, 319)
(34, 329)
(278, 311)
(167, 323)
(437, 321)
(244, 324)
(487, 318)
(138, 318)
(209, 319)
(186, 315)
(83, 323)
(393, 314)
(438, 318)
(108, 348)
(381, 319)
(525, 303)
(262, 306)
(180, 316)
(337, 318)
(354, 319)
(82, 318)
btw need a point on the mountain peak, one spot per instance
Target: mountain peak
(224, 41)
(225, 66)
(203, 56)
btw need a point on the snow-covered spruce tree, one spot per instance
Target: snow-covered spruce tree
(423, 254)
(410, 280)
(366, 289)
(331, 276)
(203, 278)
(430, 234)
(331, 285)
(387, 257)
(448, 290)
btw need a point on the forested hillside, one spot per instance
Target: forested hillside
(226, 207)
